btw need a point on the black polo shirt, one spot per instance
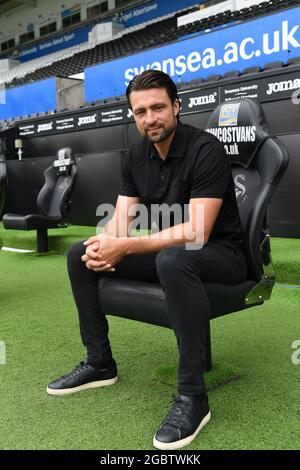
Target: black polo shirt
(196, 167)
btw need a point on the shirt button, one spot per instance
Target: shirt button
(162, 177)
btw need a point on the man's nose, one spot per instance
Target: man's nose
(150, 117)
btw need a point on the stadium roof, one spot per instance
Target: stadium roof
(7, 5)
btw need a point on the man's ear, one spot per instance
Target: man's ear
(176, 107)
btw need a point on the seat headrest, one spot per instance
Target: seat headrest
(65, 159)
(242, 127)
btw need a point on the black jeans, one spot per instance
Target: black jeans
(180, 273)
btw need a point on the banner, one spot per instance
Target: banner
(151, 10)
(199, 100)
(55, 44)
(191, 102)
(255, 42)
(59, 124)
(264, 89)
(29, 99)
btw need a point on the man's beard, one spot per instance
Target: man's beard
(165, 132)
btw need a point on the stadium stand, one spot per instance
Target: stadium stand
(74, 60)
(22, 73)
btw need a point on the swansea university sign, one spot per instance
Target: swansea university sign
(255, 42)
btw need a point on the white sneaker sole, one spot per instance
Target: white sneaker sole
(182, 442)
(80, 388)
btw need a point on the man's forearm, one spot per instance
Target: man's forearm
(176, 235)
(116, 229)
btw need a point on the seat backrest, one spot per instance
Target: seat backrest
(3, 180)
(53, 199)
(258, 161)
(7, 140)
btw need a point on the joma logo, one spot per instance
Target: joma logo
(200, 100)
(45, 127)
(87, 120)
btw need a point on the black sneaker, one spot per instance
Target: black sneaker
(83, 377)
(186, 418)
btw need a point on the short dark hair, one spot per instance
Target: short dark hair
(152, 79)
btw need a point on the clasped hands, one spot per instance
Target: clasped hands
(103, 252)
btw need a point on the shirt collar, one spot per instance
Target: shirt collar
(178, 144)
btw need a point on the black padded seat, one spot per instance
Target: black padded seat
(145, 301)
(277, 64)
(3, 181)
(293, 61)
(7, 135)
(30, 221)
(258, 162)
(195, 82)
(180, 85)
(213, 78)
(231, 74)
(251, 70)
(53, 201)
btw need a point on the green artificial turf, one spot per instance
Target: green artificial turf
(285, 251)
(254, 386)
(286, 259)
(60, 239)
